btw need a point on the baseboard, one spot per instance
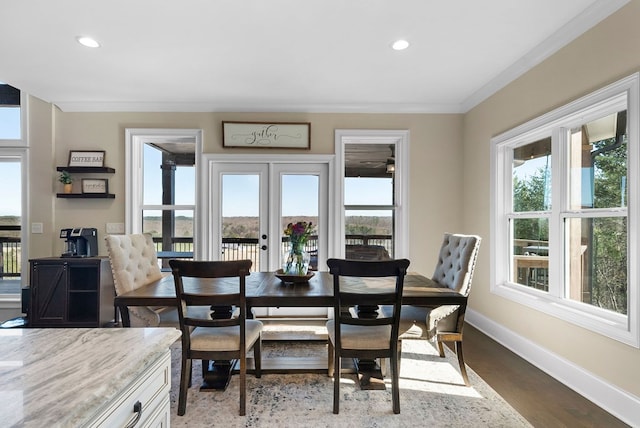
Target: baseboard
(621, 404)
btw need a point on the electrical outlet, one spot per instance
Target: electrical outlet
(115, 228)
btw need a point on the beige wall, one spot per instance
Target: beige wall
(435, 175)
(606, 53)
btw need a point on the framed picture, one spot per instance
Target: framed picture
(86, 158)
(95, 185)
(266, 135)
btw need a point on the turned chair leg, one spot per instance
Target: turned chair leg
(440, 348)
(257, 357)
(395, 384)
(185, 379)
(336, 384)
(330, 361)
(463, 368)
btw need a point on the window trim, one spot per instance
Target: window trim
(135, 139)
(373, 136)
(624, 328)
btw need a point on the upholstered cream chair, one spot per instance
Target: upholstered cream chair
(134, 263)
(454, 269)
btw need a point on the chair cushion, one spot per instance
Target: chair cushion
(420, 322)
(224, 338)
(361, 337)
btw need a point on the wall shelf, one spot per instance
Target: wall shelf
(86, 169)
(86, 195)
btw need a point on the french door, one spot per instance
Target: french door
(251, 204)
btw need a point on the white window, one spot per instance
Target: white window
(563, 239)
(161, 189)
(373, 169)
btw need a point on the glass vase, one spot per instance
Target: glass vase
(296, 261)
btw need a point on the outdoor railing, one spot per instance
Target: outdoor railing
(248, 248)
(10, 252)
(233, 249)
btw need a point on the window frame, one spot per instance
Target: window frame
(400, 138)
(557, 124)
(135, 139)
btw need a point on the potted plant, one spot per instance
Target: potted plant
(66, 179)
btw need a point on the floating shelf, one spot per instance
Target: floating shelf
(86, 169)
(86, 195)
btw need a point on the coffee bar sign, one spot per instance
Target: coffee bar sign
(266, 135)
(86, 158)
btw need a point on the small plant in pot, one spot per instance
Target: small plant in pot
(66, 179)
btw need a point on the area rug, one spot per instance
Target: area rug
(432, 393)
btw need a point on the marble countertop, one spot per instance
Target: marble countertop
(62, 377)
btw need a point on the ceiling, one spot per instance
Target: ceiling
(282, 55)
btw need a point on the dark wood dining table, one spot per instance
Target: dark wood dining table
(265, 289)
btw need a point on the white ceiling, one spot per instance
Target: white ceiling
(281, 55)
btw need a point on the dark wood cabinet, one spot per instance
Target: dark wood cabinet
(71, 292)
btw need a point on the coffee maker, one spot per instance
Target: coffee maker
(80, 242)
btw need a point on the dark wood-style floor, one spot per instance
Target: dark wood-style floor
(542, 400)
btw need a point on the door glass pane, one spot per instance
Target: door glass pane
(531, 252)
(598, 163)
(532, 176)
(300, 195)
(10, 226)
(597, 261)
(241, 218)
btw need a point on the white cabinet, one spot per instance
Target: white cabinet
(86, 377)
(145, 403)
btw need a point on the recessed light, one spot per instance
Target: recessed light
(400, 45)
(88, 42)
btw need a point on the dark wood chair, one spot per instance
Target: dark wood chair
(367, 338)
(215, 339)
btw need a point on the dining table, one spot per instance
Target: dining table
(267, 289)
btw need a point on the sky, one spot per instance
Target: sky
(10, 191)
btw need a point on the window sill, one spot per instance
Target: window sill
(613, 326)
(10, 301)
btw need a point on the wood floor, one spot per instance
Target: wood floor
(542, 400)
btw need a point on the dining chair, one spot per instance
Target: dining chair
(454, 269)
(215, 339)
(134, 264)
(368, 338)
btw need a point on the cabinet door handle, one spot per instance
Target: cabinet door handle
(137, 409)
